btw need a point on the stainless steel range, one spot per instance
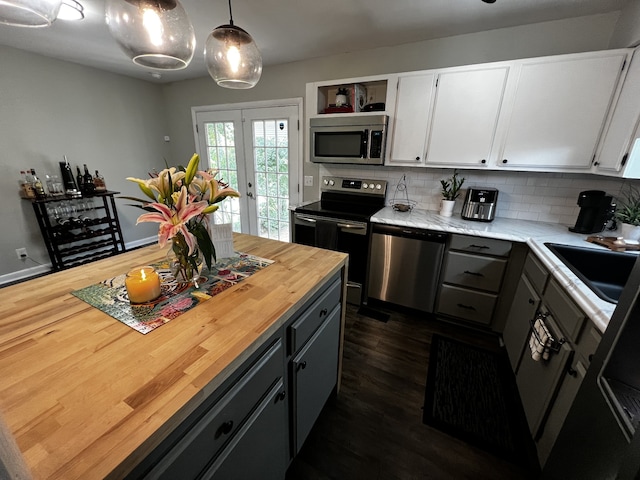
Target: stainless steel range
(341, 221)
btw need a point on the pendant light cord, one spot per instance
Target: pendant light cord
(230, 14)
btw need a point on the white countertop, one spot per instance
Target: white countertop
(534, 234)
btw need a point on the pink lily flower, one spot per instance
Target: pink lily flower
(174, 220)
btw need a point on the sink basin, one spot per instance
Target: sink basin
(603, 271)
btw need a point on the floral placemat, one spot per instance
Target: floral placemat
(110, 295)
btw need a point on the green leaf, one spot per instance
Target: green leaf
(204, 243)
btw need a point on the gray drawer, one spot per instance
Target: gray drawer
(485, 246)
(303, 328)
(475, 271)
(466, 304)
(536, 273)
(207, 437)
(565, 311)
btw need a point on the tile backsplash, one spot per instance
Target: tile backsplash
(544, 197)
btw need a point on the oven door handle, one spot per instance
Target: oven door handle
(349, 226)
(306, 219)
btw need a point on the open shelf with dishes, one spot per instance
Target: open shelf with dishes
(349, 96)
(79, 230)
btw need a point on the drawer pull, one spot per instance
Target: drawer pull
(302, 366)
(466, 307)
(531, 301)
(226, 427)
(481, 247)
(323, 312)
(477, 274)
(281, 396)
(572, 372)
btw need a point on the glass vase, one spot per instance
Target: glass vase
(185, 268)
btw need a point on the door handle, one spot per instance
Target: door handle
(249, 194)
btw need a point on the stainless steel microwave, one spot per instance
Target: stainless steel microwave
(355, 140)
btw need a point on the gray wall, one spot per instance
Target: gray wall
(116, 124)
(50, 108)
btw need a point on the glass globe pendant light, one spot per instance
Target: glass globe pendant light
(232, 57)
(153, 33)
(29, 13)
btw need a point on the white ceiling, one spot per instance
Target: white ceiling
(291, 30)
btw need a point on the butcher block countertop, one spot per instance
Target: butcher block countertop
(85, 396)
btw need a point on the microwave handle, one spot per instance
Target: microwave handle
(364, 145)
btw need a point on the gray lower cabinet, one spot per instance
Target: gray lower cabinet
(256, 421)
(473, 275)
(547, 387)
(259, 448)
(315, 374)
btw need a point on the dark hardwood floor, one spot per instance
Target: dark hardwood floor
(373, 429)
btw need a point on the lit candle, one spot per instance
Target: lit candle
(143, 284)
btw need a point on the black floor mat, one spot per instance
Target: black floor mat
(373, 313)
(471, 394)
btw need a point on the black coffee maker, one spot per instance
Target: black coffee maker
(596, 210)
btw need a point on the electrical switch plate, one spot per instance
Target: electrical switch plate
(308, 181)
(167, 138)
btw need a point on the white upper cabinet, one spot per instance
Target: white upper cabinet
(613, 157)
(465, 114)
(557, 110)
(411, 119)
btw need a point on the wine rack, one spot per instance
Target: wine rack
(87, 231)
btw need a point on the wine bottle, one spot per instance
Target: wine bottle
(67, 177)
(79, 179)
(37, 185)
(89, 186)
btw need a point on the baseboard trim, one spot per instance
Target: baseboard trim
(39, 270)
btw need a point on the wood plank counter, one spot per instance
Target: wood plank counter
(85, 396)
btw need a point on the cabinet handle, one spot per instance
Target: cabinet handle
(484, 160)
(504, 161)
(302, 366)
(572, 372)
(281, 396)
(417, 159)
(323, 312)
(596, 163)
(531, 301)
(466, 307)
(226, 427)
(590, 358)
(481, 247)
(477, 274)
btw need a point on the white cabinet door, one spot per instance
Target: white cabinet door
(411, 119)
(559, 109)
(617, 140)
(465, 116)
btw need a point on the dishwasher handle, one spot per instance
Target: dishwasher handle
(409, 232)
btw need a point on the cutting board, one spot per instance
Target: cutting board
(608, 242)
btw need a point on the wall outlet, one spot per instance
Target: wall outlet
(308, 180)
(22, 253)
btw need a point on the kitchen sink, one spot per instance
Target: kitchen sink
(603, 271)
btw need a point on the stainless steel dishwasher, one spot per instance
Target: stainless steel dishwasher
(404, 266)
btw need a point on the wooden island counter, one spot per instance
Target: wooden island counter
(85, 396)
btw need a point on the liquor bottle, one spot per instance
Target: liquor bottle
(26, 189)
(37, 185)
(67, 177)
(89, 186)
(79, 179)
(98, 181)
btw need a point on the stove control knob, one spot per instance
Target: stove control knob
(378, 187)
(326, 182)
(365, 185)
(331, 183)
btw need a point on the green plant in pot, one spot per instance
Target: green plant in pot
(450, 191)
(628, 213)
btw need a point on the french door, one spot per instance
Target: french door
(256, 151)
